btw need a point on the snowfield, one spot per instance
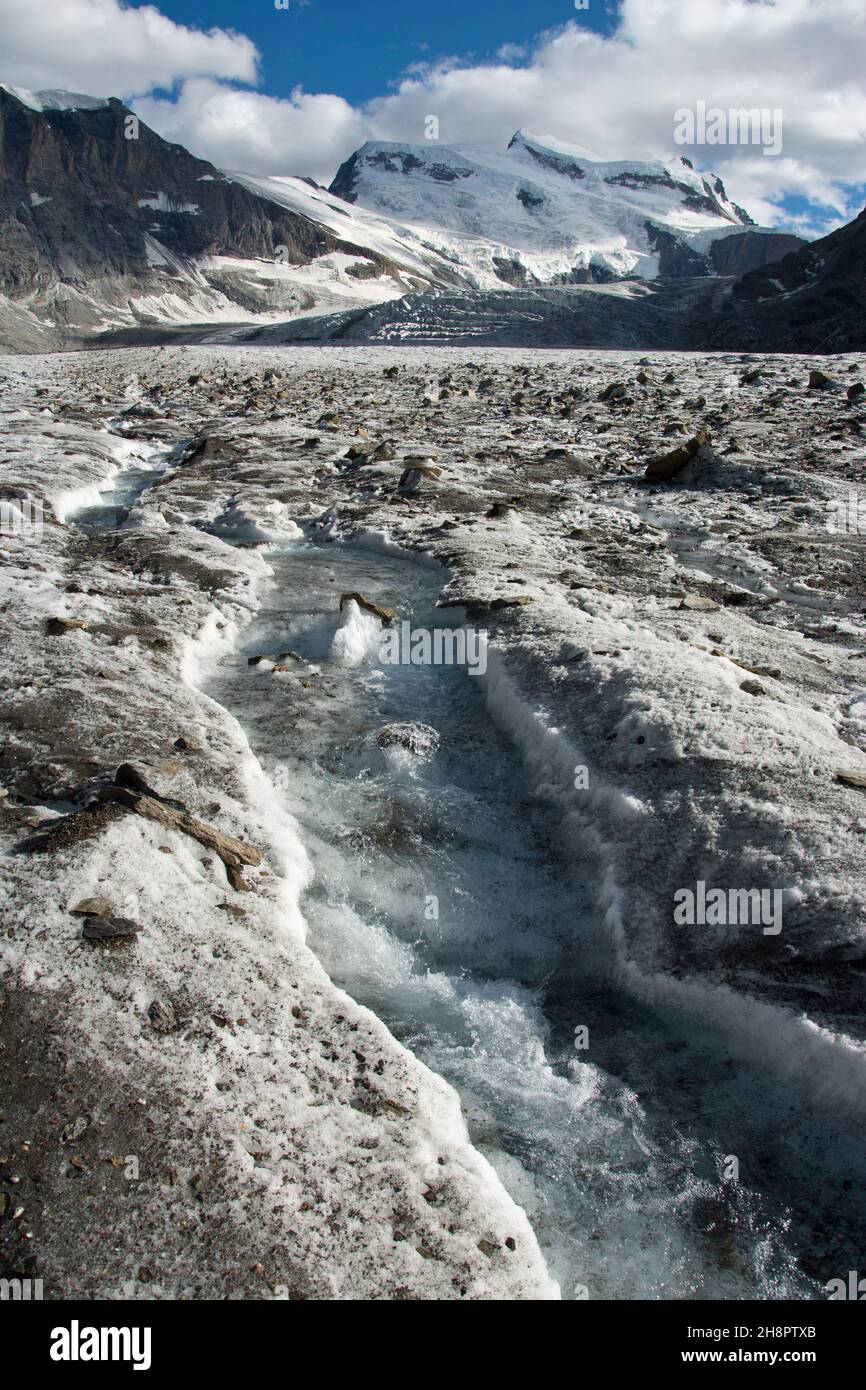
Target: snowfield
(207, 1113)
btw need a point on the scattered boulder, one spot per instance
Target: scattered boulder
(234, 853)
(856, 391)
(109, 929)
(162, 1016)
(819, 380)
(414, 473)
(93, 907)
(698, 603)
(668, 465)
(129, 777)
(852, 779)
(56, 627)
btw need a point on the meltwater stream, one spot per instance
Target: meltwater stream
(444, 900)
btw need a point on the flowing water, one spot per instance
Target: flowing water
(444, 899)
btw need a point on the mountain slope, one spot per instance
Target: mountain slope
(540, 214)
(122, 238)
(812, 300)
(98, 230)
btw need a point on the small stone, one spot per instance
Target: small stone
(856, 391)
(752, 687)
(109, 929)
(852, 779)
(93, 907)
(698, 603)
(56, 627)
(487, 1247)
(75, 1129)
(162, 1016)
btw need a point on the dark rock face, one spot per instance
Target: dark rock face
(79, 203)
(560, 165)
(677, 261)
(747, 251)
(812, 300)
(732, 255)
(94, 180)
(345, 181)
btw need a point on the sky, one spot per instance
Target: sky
(295, 90)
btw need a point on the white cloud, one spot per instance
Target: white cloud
(613, 94)
(81, 45)
(250, 131)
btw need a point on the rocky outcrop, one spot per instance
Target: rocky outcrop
(743, 252)
(95, 205)
(812, 300)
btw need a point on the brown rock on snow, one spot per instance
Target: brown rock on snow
(387, 615)
(234, 853)
(109, 929)
(56, 627)
(668, 465)
(93, 907)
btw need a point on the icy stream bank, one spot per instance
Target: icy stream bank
(447, 898)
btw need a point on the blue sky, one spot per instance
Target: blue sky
(358, 50)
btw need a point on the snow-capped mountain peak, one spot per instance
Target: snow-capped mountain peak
(55, 99)
(540, 212)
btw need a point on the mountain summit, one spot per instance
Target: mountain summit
(105, 227)
(540, 213)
